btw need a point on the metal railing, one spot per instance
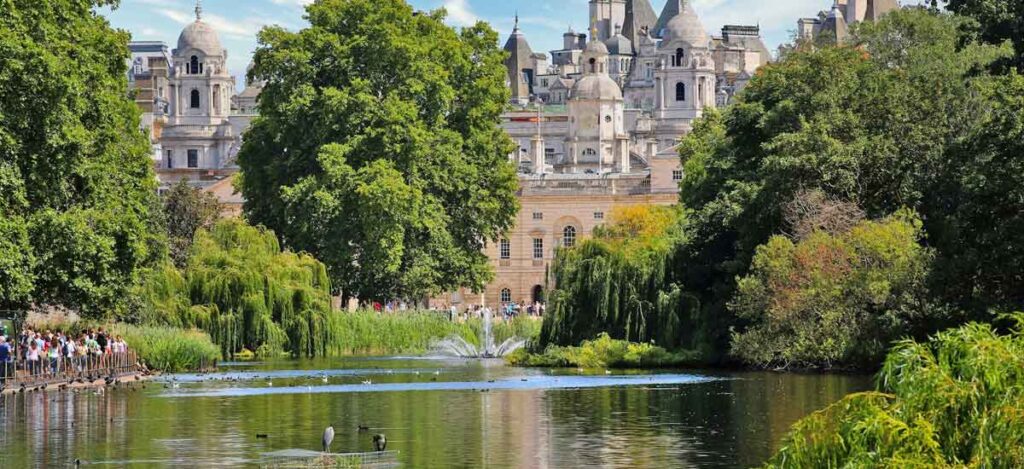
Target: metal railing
(60, 370)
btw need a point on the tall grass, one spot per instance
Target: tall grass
(170, 349)
(372, 333)
(956, 401)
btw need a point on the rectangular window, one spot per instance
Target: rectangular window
(193, 158)
(170, 159)
(538, 248)
(505, 249)
(538, 216)
(599, 215)
(677, 175)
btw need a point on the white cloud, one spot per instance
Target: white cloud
(459, 13)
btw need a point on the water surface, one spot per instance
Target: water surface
(435, 412)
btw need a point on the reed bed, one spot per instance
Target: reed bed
(373, 333)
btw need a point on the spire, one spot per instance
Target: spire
(515, 28)
(640, 17)
(199, 10)
(671, 10)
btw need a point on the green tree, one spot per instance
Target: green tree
(872, 124)
(833, 300)
(616, 283)
(76, 181)
(378, 147)
(186, 210)
(998, 21)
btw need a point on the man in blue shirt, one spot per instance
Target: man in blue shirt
(7, 358)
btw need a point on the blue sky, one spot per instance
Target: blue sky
(543, 21)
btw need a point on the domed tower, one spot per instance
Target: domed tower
(685, 79)
(597, 140)
(199, 135)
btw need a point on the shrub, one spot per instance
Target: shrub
(957, 400)
(604, 352)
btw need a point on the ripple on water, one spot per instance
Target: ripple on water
(505, 384)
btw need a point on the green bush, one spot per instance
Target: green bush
(604, 352)
(833, 300)
(373, 333)
(955, 401)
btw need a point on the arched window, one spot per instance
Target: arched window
(680, 92)
(506, 295)
(679, 57)
(593, 66)
(194, 101)
(569, 236)
(589, 152)
(193, 65)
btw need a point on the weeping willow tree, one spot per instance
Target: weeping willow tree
(242, 289)
(617, 282)
(955, 401)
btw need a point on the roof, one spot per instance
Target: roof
(599, 86)
(835, 27)
(619, 45)
(639, 16)
(685, 26)
(199, 36)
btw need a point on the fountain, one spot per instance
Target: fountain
(459, 347)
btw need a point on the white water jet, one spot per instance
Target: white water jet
(459, 347)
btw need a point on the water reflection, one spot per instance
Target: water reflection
(456, 418)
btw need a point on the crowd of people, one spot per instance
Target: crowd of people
(52, 353)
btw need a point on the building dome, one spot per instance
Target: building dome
(619, 45)
(686, 27)
(596, 47)
(200, 36)
(600, 87)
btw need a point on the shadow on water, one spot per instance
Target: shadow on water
(436, 413)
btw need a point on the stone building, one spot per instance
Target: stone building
(600, 127)
(834, 25)
(195, 117)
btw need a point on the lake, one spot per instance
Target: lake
(435, 413)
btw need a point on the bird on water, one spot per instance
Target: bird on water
(379, 442)
(328, 438)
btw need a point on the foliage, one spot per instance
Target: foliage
(955, 401)
(378, 148)
(372, 333)
(170, 349)
(76, 181)
(604, 352)
(242, 289)
(186, 210)
(873, 125)
(415, 332)
(998, 21)
(613, 282)
(833, 300)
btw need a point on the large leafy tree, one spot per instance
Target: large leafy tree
(76, 184)
(997, 21)
(378, 148)
(187, 209)
(872, 124)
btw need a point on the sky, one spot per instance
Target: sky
(542, 21)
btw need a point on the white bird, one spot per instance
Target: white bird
(438, 372)
(324, 379)
(328, 438)
(175, 385)
(607, 372)
(367, 382)
(270, 383)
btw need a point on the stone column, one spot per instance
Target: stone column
(537, 154)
